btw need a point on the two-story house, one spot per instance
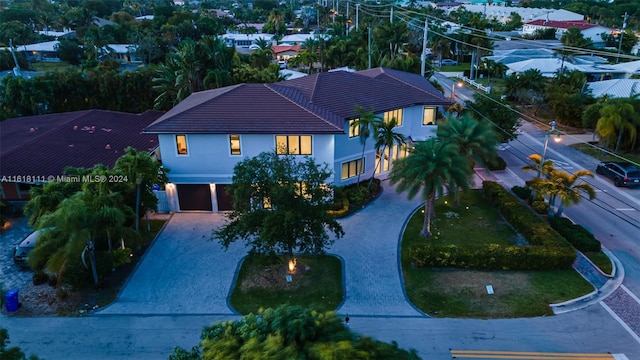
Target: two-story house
(204, 136)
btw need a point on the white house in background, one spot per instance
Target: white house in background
(46, 52)
(298, 39)
(589, 31)
(245, 40)
(503, 13)
(617, 88)
(204, 136)
(547, 67)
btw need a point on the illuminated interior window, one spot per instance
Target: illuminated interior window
(234, 143)
(293, 144)
(397, 113)
(352, 168)
(354, 130)
(429, 117)
(181, 143)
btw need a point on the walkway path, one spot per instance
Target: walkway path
(372, 273)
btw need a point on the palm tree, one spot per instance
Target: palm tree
(430, 167)
(476, 140)
(568, 188)
(366, 123)
(547, 167)
(617, 119)
(386, 138)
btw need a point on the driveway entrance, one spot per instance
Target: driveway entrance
(183, 272)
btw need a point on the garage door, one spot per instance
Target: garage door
(194, 197)
(225, 201)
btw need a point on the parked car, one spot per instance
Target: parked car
(622, 173)
(282, 64)
(22, 250)
(448, 62)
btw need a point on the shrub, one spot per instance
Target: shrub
(523, 193)
(540, 207)
(358, 195)
(577, 235)
(39, 277)
(342, 211)
(497, 164)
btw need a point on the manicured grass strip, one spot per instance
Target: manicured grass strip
(601, 260)
(596, 153)
(463, 294)
(261, 283)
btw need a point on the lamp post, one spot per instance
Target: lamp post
(453, 90)
(557, 138)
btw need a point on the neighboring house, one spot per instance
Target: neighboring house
(299, 39)
(204, 136)
(503, 13)
(291, 74)
(285, 52)
(33, 148)
(547, 67)
(618, 88)
(46, 52)
(244, 40)
(589, 31)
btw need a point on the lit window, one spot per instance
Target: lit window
(352, 168)
(181, 142)
(397, 114)
(354, 130)
(293, 144)
(429, 117)
(385, 162)
(234, 143)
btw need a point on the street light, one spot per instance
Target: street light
(453, 90)
(556, 138)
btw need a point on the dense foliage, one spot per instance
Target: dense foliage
(289, 332)
(280, 205)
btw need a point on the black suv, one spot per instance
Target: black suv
(622, 173)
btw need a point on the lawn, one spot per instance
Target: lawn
(50, 66)
(601, 260)
(462, 293)
(595, 152)
(261, 283)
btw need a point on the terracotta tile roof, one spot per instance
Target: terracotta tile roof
(277, 49)
(45, 144)
(582, 25)
(315, 104)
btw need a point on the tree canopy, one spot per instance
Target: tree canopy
(289, 332)
(280, 205)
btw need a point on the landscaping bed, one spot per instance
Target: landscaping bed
(262, 283)
(449, 292)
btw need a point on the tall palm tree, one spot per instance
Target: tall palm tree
(366, 124)
(431, 167)
(476, 140)
(569, 189)
(617, 119)
(386, 138)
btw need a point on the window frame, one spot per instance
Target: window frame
(231, 149)
(288, 139)
(435, 116)
(353, 131)
(388, 115)
(349, 175)
(186, 145)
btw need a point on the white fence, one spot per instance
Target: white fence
(486, 89)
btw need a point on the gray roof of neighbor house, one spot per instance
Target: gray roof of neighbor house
(44, 145)
(317, 104)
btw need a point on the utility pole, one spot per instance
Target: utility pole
(357, 13)
(369, 51)
(423, 57)
(391, 16)
(624, 26)
(347, 20)
(17, 72)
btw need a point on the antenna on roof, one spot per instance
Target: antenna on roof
(16, 70)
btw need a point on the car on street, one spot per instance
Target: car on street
(622, 173)
(448, 62)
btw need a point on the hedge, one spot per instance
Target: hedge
(577, 235)
(547, 250)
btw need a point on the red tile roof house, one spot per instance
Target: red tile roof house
(204, 136)
(589, 31)
(285, 52)
(33, 148)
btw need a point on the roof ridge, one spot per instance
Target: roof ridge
(384, 71)
(310, 108)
